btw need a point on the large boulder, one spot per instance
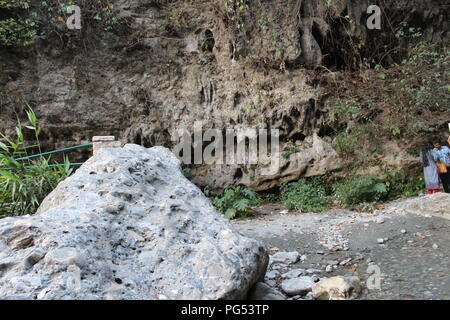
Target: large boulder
(127, 225)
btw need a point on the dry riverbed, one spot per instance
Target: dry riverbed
(411, 251)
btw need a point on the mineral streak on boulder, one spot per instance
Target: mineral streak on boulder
(127, 225)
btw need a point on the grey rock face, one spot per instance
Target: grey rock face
(127, 225)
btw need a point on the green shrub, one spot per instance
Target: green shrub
(236, 201)
(404, 183)
(24, 184)
(13, 32)
(23, 20)
(273, 197)
(360, 190)
(304, 195)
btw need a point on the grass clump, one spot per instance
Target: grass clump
(24, 184)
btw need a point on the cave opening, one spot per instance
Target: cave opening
(208, 41)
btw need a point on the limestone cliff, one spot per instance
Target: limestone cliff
(229, 64)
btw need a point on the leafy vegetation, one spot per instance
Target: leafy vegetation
(24, 184)
(317, 194)
(236, 202)
(304, 195)
(23, 21)
(361, 190)
(404, 183)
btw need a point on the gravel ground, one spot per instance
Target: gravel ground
(414, 258)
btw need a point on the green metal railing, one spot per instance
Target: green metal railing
(50, 153)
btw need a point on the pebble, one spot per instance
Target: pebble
(403, 231)
(344, 262)
(380, 240)
(380, 220)
(313, 271)
(295, 273)
(329, 268)
(285, 257)
(42, 294)
(435, 246)
(272, 274)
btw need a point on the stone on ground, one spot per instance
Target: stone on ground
(285, 257)
(127, 225)
(337, 288)
(295, 286)
(294, 273)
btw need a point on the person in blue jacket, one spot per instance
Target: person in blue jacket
(442, 154)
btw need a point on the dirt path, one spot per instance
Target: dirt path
(414, 260)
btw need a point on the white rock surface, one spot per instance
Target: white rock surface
(436, 204)
(127, 225)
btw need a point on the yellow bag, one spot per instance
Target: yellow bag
(442, 167)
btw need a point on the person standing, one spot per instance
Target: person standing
(430, 170)
(441, 155)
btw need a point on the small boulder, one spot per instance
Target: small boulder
(295, 286)
(285, 257)
(337, 288)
